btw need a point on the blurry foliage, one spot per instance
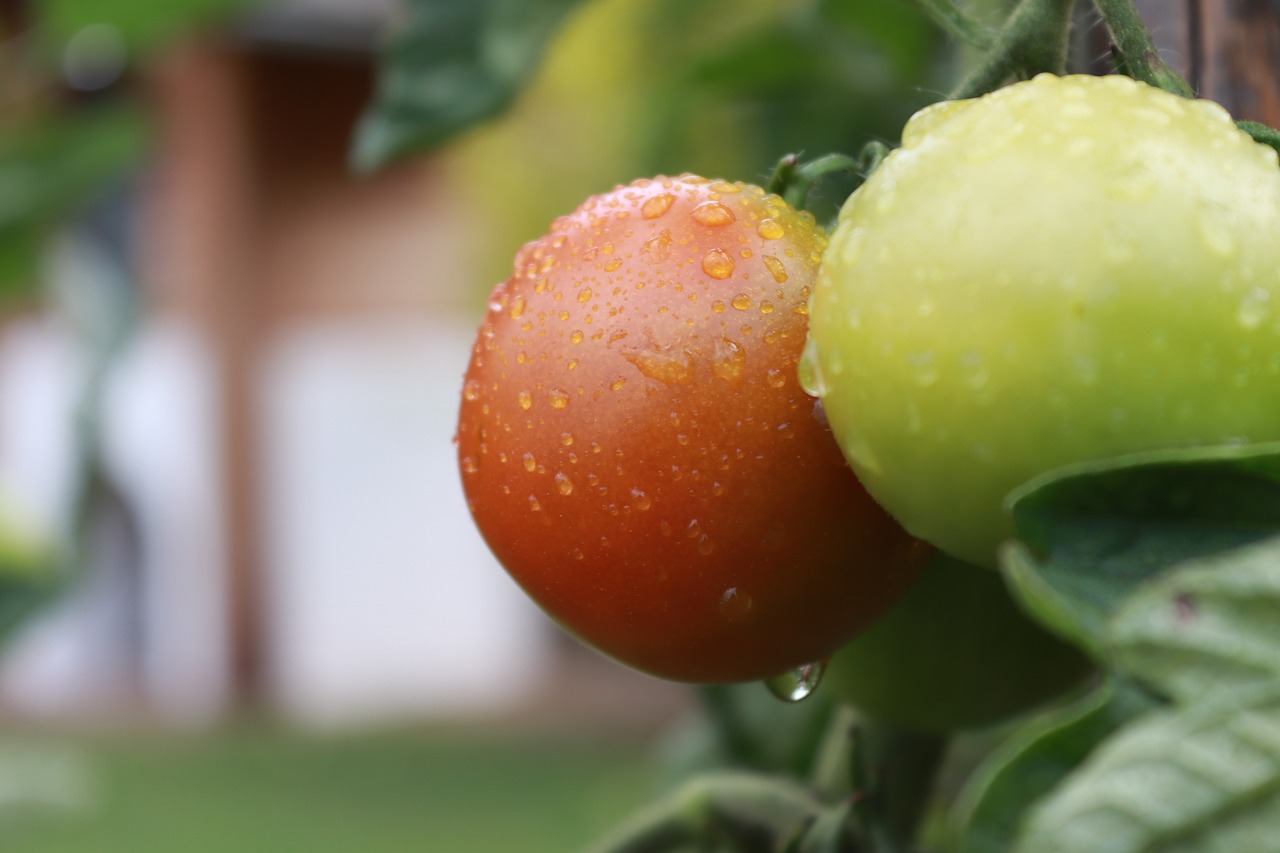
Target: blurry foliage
(67, 125)
(145, 25)
(624, 90)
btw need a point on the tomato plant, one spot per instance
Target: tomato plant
(1065, 270)
(637, 451)
(1044, 333)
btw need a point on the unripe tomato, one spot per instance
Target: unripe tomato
(956, 652)
(1067, 269)
(637, 451)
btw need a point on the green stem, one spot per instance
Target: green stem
(1261, 133)
(1033, 40)
(1136, 52)
(959, 23)
(906, 766)
(834, 773)
(803, 177)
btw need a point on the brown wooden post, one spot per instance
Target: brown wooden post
(202, 229)
(1228, 49)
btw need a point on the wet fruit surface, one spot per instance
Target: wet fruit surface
(637, 451)
(1068, 269)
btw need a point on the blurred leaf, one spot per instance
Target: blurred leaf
(728, 810)
(1212, 624)
(810, 78)
(1204, 777)
(743, 726)
(1028, 765)
(47, 167)
(144, 25)
(1092, 533)
(453, 64)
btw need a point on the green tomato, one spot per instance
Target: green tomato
(1067, 269)
(956, 652)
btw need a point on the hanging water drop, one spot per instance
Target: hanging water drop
(797, 684)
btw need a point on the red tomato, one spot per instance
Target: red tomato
(637, 451)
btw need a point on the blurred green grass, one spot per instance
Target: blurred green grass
(257, 788)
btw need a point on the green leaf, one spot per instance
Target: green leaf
(1194, 779)
(1035, 758)
(715, 811)
(145, 25)
(454, 63)
(48, 165)
(1210, 625)
(1092, 533)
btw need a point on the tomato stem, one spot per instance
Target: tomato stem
(1135, 51)
(794, 180)
(1032, 40)
(1261, 133)
(959, 23)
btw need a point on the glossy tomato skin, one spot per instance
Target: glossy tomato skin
(637, 452)
(1065, 270)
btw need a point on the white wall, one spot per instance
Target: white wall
(385, 600)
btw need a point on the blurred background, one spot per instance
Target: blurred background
(243, 604)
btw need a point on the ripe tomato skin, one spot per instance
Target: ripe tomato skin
(1068, 269)
(637, 452)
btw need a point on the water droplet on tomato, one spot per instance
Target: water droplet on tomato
(559, 398)
(735, 605)
(776, 268)
(810, 370)
(712, 214)
(517, 307)
(770, 229)
(1253, 308)
(974, 370)
(717, 263)
(775, 378)
(563, 484)
(797, 684)
(525, 399)
(924, 367)
(1085, 368)
(705, 545)
(741, 301)
(666, 367)
(728, 360)
(640, 500)
(657, 205)
(1216, 229)
(657, 249)
(471, 390)
(530, 462)
(859, 453)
